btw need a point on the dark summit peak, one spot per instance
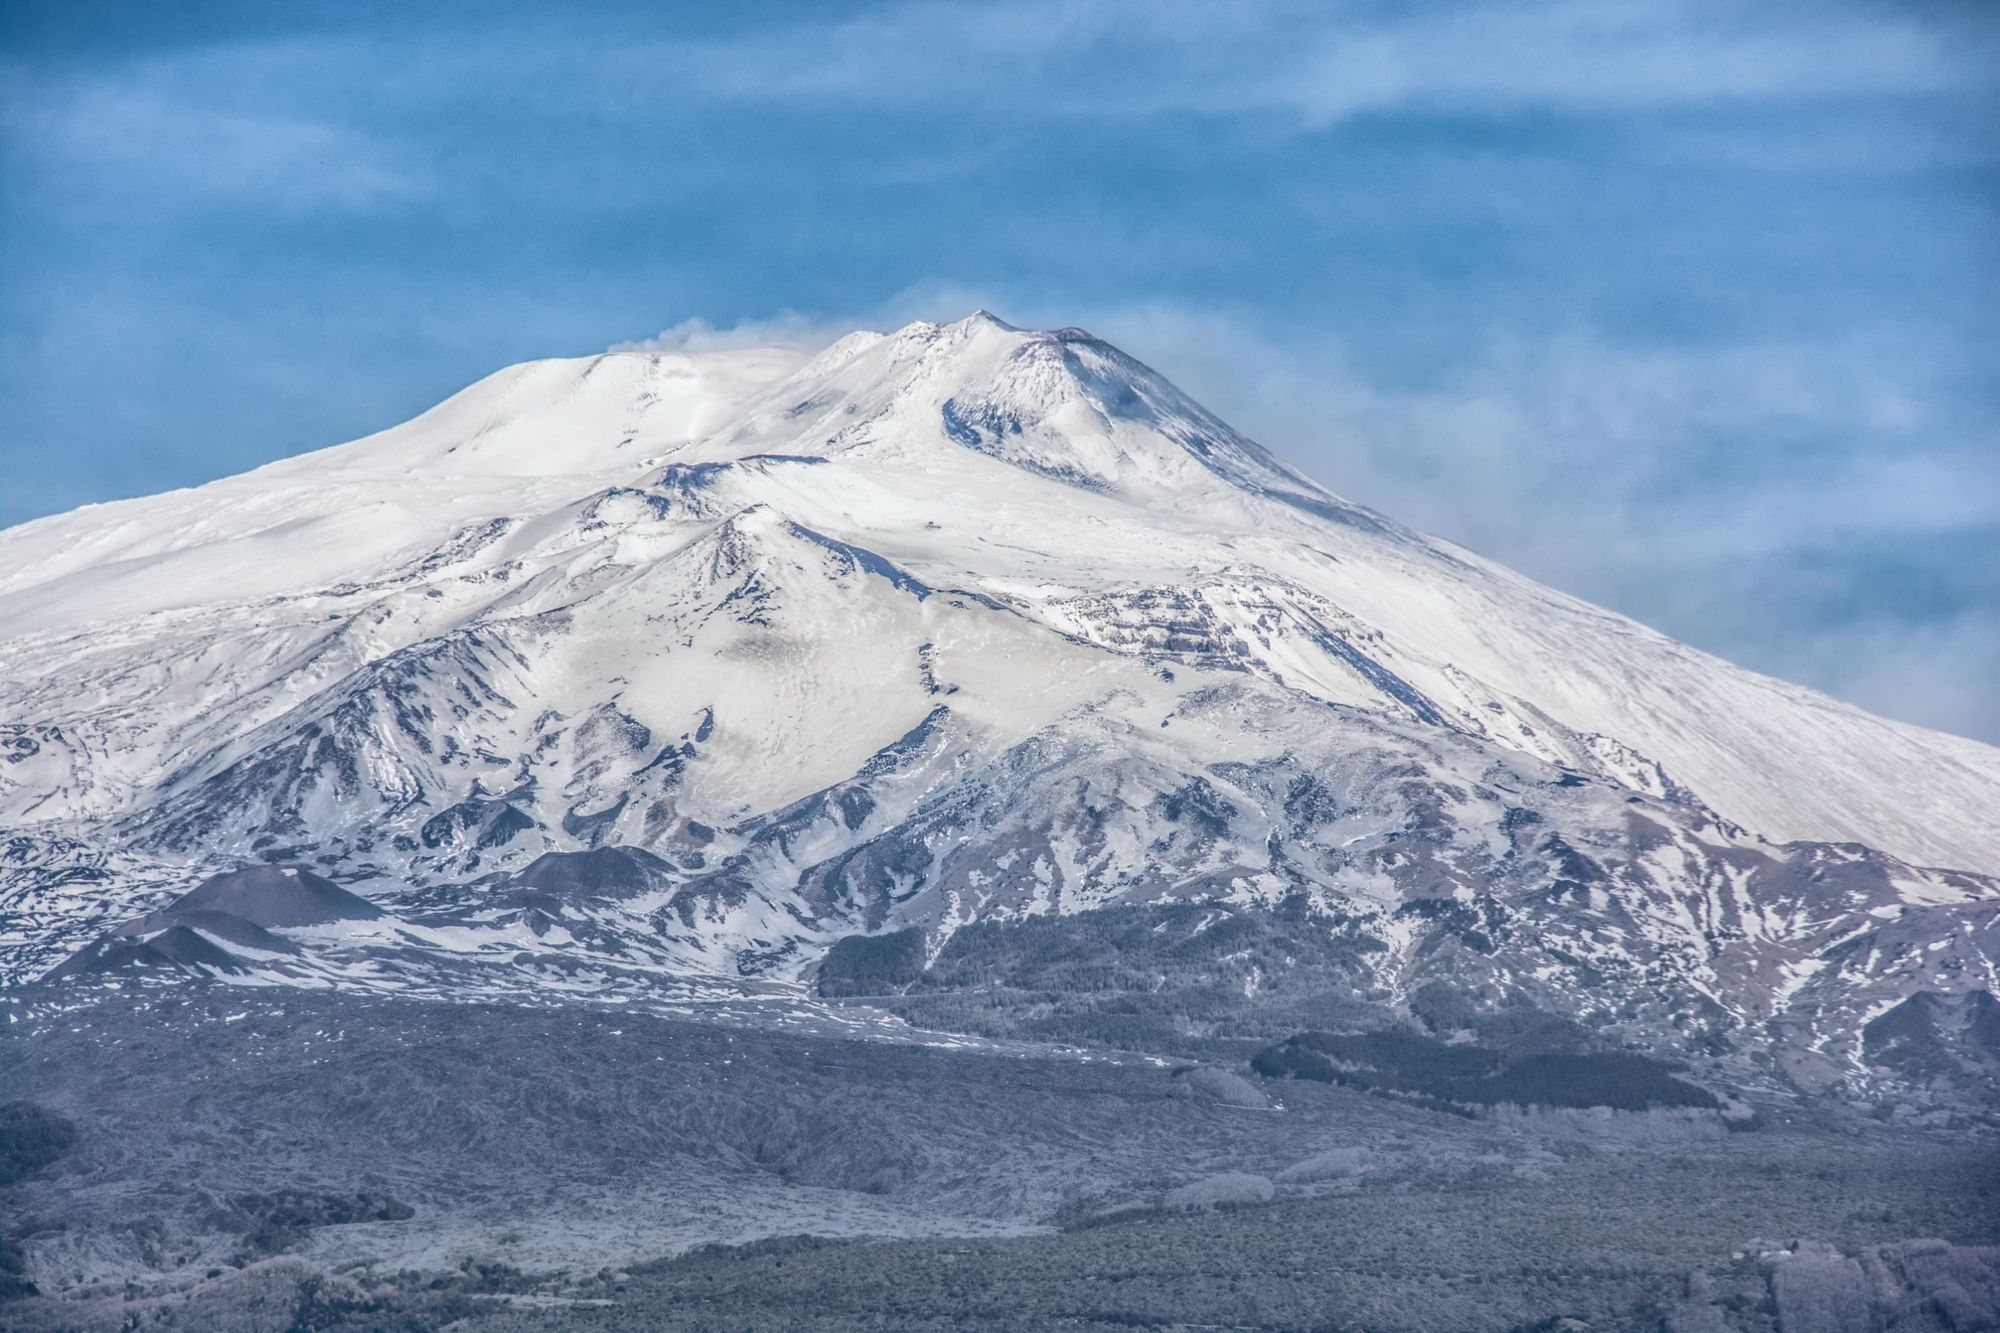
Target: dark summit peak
(601, 872)
(278, 896)
(178, 948)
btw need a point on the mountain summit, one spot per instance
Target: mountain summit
(1063, 405)
(961, 623)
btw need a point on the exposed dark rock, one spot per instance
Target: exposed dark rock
(276, 896)
(1931, 1035)
(602, 872)
(178, 949)
(220, 925)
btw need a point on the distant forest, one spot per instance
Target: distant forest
(1466, 1075)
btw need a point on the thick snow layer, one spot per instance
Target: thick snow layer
(1063, 483)
(522, 440)
(956, 622)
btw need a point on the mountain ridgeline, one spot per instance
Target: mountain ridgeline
(980, 675)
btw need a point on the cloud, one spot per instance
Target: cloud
(1597, 56)
(785, 329)
(1322, 63)
(1828, 512)
(1311, 62)
(151, 141)
(289, 124)
(1938, 674)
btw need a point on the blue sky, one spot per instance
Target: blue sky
(1685, 308)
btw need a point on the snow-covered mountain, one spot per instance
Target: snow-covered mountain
(667, 672)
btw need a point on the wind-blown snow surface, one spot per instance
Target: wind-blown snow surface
(952, 623)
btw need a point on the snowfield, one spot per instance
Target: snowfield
(953, 624)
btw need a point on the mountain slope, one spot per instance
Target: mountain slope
(961, 623)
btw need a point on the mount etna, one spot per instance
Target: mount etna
(953, 790)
